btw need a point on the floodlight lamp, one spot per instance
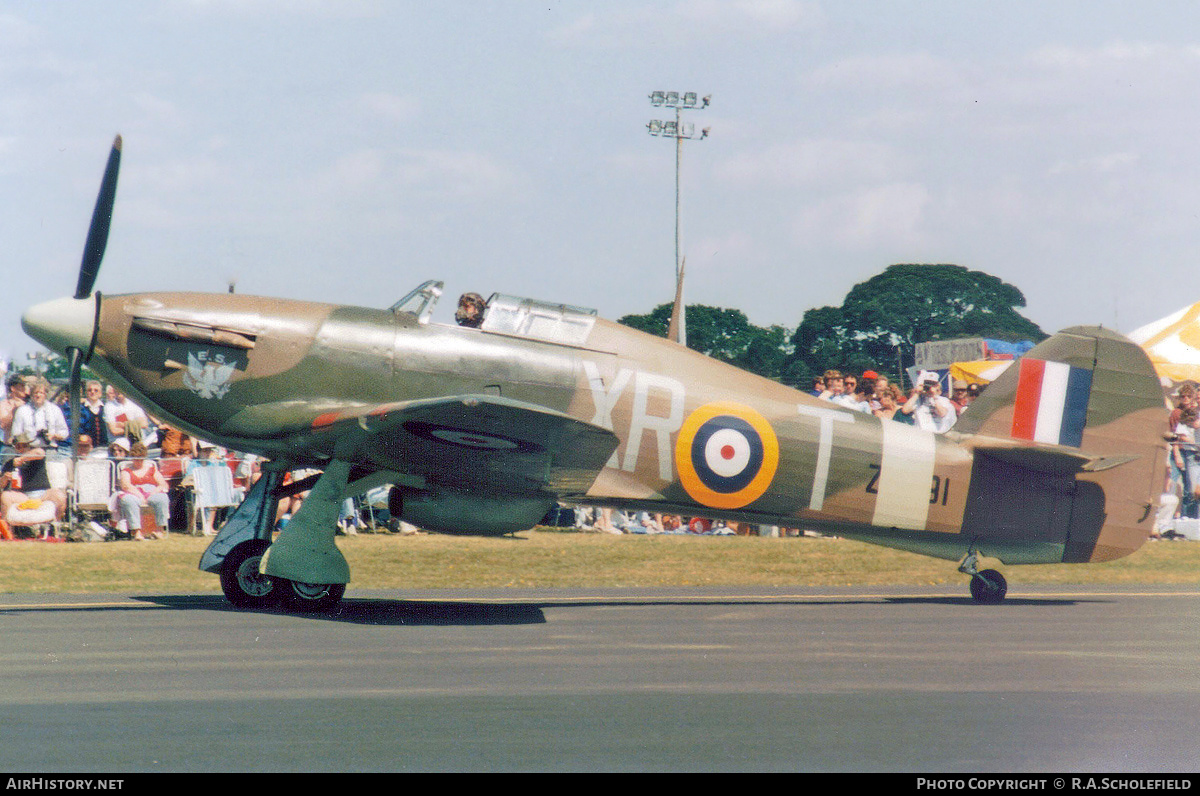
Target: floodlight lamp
(672, 99)
(657, 97)
(654, 127)
(689, 99)
(670, 129)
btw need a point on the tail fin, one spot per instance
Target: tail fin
(1087, 404)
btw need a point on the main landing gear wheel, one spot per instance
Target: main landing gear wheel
(309, 597)
(243, 584)
(988, 587)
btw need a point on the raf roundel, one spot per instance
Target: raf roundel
(726, 455)
(463, 438)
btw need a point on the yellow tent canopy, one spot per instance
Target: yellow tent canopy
(983, 371)
(1173, 344)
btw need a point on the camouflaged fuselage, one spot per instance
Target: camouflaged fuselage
(693, 436)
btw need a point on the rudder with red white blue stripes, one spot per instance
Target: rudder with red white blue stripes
(1051, 402)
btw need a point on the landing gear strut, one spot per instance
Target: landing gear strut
(988, 587)
(238, 551)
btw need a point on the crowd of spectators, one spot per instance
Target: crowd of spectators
(151, 462)
(923, 406)
(615, 521)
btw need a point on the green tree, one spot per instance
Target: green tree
(882, 319)
(55, 368)
(723, 334)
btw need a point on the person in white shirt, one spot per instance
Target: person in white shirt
(835, 390)
(930, 410)
(40, 419)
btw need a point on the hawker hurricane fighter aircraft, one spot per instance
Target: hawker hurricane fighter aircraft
(480, 430)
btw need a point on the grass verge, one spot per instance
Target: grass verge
(547, 559)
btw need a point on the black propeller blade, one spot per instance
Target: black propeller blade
(93, 254)
(97, 239)
(76, 401)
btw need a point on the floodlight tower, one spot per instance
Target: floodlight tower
(680, 101)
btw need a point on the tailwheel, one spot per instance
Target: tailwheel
(309, 597)
(243, 584)
(988, 587)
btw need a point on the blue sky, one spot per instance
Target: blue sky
(347, 150)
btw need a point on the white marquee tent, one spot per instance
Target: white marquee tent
(1173, 344)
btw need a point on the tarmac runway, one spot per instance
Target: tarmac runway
(613, 680)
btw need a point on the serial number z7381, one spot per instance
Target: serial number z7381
(939, 488)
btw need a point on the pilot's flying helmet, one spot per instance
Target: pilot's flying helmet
(467, 300)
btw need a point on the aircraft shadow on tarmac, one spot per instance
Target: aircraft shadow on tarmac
(467, 612)
(370, 611)
(1008, 601)
(383, 611)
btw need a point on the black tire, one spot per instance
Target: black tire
(988, 587)
(241, 581)
(309, 597)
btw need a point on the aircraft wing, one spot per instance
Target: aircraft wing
(484, 443)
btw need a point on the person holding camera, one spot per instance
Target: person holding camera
(929, 409)
(41, 420)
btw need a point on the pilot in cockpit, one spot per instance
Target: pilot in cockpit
(470, 310)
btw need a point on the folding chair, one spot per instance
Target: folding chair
(212, 489)
(94, 483)
(91, 496)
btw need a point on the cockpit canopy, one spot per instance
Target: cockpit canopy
(421, 300)
(513, 315)
(525, 317)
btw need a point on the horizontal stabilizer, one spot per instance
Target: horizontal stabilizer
(1055, 459)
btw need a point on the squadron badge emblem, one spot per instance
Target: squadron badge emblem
(207, 374)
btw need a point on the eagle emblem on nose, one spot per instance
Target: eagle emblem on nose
(207, 375)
